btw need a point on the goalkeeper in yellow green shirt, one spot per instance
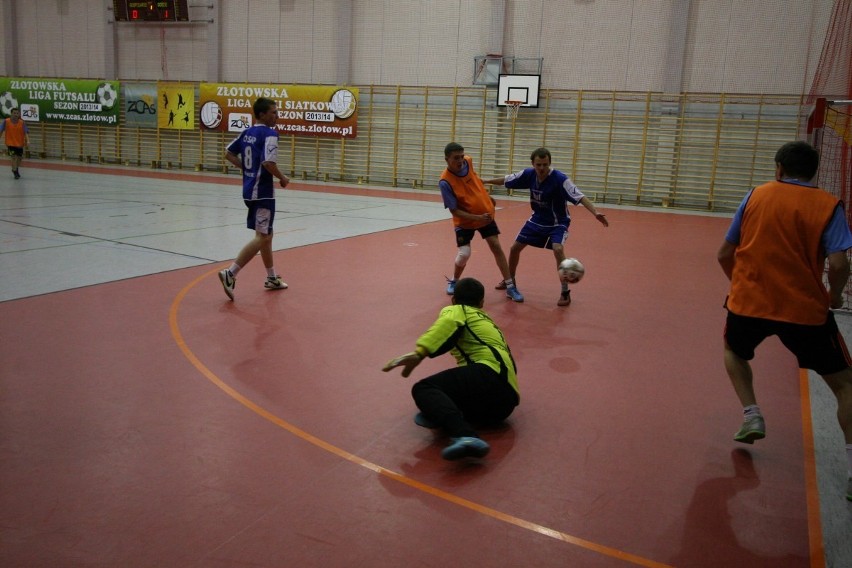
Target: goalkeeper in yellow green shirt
(482, 389)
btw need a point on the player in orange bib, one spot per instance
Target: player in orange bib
(774, 254)
(473, 212)
(17, 138)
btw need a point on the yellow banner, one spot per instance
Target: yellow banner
(303, 110)
(840, 123)
(176, 108)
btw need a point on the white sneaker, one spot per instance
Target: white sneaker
(228, 282)
(274, 283)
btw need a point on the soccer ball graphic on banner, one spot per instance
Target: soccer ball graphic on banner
(107, 95)
(7, 103)
(571, 270)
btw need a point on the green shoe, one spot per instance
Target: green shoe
(752, 429)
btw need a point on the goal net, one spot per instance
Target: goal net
(829, 125)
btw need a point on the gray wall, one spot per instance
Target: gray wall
(733, 46)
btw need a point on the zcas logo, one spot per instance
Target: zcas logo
(238, 121)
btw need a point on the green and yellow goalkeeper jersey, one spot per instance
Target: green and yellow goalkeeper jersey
(471, 337)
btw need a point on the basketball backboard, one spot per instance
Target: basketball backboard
(523, 88)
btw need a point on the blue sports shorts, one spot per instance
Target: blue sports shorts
(260, 216)
(541, 236)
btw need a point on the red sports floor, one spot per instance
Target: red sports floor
(151, 422)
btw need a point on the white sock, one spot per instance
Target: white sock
(751, 411)
(271, 272)
(235, 268)
(509, 282)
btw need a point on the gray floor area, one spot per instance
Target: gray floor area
(61, 230)
(91, 229)
(831, 463)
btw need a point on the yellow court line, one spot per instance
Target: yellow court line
(428, 489)
(811, 488)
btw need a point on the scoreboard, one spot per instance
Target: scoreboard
(150, 11)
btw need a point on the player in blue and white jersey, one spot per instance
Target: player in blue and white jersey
(550, 193)
(255, 153)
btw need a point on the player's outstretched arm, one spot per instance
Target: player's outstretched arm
(408, 361)
(495, 181)
(591, 207)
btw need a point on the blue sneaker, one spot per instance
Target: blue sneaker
(451, 287)
(513, 293)
(466, 447)
(424, 422)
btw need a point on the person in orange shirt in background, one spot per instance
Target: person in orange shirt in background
(774, 254)
(473, 210)
(17, 138)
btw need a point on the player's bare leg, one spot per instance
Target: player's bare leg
(462, 256)
(512, 291)
(266, 253)
(499, 256)
(739, 371)
(503, 264)
(742, 379)
(273, 281)
(841, 385)
(565, 294)
(250, 250)
(558, 253)
(515, 257)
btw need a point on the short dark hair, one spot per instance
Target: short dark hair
(452, 147)
(798, 159)
(469, 292)
(261, 106)
(540, 153)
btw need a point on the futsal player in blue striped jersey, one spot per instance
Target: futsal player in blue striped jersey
(255, 153)
(550, 193)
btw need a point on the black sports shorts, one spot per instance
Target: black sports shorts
(817, 347)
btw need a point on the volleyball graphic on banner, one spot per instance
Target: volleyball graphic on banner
(211, 114)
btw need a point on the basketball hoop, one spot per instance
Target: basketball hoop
(512, 109)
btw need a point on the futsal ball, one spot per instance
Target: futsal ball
(571, 270)
(7, 103)
(107, 95)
